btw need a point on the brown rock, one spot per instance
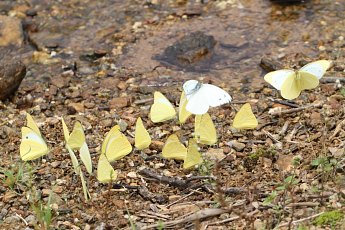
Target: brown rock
(12, 73)
(122, 85)
(11, 32)
(79, 107)
(60, 81)
(119, 102)
(109, 83)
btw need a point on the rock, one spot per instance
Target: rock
(78, 107)
(12, 73)
(45, 39)
(60, 81)
(119, 102)
(109, 83)
(215, 154)
(43, 58)
(12, 220)
(191, 49)
(11, 32)
(238, 146)
(3, 213)
(31, 220)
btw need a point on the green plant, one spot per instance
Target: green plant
(342, 91)
(329, 218)
(324, 164)
(13, 176)
(160, 225)
(205, 169)
(42, 212)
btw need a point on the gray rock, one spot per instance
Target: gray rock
(12, 219)
(12, 73)
(31, 219)
(236, 145)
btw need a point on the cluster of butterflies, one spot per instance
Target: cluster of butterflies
(196, 98)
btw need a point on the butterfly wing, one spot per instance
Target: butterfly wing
(105, 172)
(317, 68)
(193, 156)
(207, 95)
(32, 125)
(205, 132)
(245, 119)
(32, 145)
(162, 109)
(77, 137)
(142, 137)
(291, 88)
(65, 130)
(174, 149)
(277, 78)
(86, 157)
(215, 96)
(183, 114)
(117, 145)
(87, 195)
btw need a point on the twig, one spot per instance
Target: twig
(271, 136)
(232, 218)
(20, 217)
(201, 214)
(284, 103)
(332, 79)
(337, 129)
(293, 133)
(143, 101)
(304, 204)
(300, 220)
(294, 110)
(182, 198)
(173, 181)
(284, 128)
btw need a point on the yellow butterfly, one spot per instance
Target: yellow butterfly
(183, 114)
(76, 141)
(291, 83)
(105, 172)
(162, 109)
(174, 149)
(205, 132)
(245, 119)
(116, 145)
(142, 137)
(32, 145)
(193, 155)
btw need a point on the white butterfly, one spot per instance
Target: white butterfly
(203, 96)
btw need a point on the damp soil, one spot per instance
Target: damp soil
(99, 62)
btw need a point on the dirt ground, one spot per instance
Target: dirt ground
(99, 62)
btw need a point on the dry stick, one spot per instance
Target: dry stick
(283, 103)
(232, 218)
(182, 198)
(294, 110)
(303, 204)
(300, 220)
(332, 79)
(201, 214)
(20, 217)
(271, 136)
(337, 129)
(143, 101)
